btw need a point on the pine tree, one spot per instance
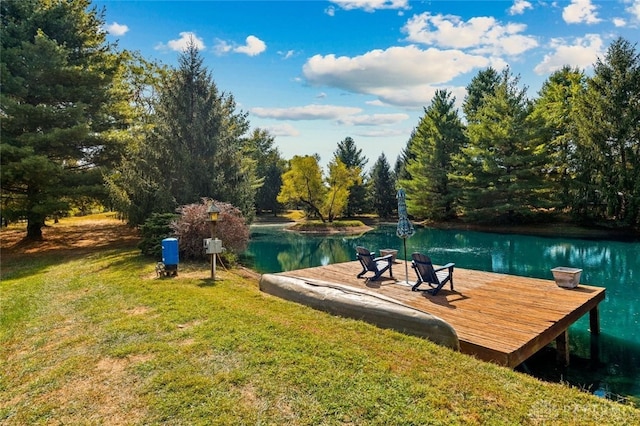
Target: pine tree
(196, 148)
(200, 136)
(64, 111)
(438, 136)
(383, 188)
(500, 170)
(554, 110)
(269, 168)
(483, 84)
(135, 186)
(353, 158)
(607, 130)
(400, 166)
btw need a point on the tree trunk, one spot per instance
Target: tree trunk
(314, 209)
(34, 229)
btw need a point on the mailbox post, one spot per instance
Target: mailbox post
(213, 245)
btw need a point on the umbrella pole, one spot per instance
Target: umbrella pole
(406, 268)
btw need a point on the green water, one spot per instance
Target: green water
(607, 365)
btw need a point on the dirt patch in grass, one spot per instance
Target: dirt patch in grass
(88, 234)
(103, 391)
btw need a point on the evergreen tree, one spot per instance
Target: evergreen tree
(406, 155)
(554, 109)
(438, 136)
(383, 188)
(269, 167)
(608, 133)
(135, 185)
(200, 137)
(64, 109)
(481, 85)
(500, 171)
(196, 147)
(353, 158)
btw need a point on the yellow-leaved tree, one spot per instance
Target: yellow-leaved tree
(340, 180)
(303, 184)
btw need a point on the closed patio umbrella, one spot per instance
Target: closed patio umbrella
(405, 228)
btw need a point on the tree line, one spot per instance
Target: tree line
(86, 124)
(572, 151)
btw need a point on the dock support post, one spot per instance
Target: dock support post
(594, 325)
(594, 320)
(595, 349)
(562, 346)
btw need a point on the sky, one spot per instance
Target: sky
(315, 72)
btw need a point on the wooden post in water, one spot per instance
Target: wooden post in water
(562, 345)
(594, 320)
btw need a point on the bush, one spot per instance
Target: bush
(192, 227)
(153, 231)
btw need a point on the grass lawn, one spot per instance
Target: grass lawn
(89, 335)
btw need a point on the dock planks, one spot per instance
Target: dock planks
(499, 318)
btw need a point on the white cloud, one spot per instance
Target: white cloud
(392, 67)
(288, 54)
(405, 76)
(284, 129)
(307, 112)
(376, 102)
(580, 12)
(481, 34)
(519, 6)
(116, 29)
(619, 22)
(331, 11)
(384, 132)
(221, 47)
(582, 53)
(372, 120)
(634, 9)
(420, 95)
(254, 46)
(372, 5)
(181, 44)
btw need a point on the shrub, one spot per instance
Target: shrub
(156, 228)
(192, 227)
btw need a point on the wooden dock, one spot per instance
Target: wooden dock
(499, 318)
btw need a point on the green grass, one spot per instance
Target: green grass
(97, 339)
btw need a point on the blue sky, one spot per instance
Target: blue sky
(315, 72)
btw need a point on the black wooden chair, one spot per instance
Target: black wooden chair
(436, 278)
(377, 265)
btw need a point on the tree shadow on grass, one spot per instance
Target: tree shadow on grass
(62, 242)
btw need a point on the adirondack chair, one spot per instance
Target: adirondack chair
(436, 278)
(377, 265)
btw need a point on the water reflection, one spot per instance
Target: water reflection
(611, 264)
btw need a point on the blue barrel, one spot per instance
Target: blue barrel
(170, 252)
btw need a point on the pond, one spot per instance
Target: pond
(612, 371)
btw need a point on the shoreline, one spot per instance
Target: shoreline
(550, 230)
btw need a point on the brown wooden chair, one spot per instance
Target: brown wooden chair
(377, 265)
(436, 278)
